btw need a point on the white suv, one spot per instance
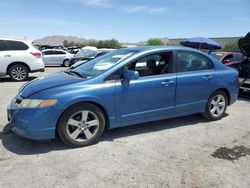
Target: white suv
(18, 58)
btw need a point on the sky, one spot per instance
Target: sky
(124, 20)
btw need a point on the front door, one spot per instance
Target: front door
(152, 95)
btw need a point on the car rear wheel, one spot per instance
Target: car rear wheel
(66, 63)
(18, 72)
(81, 125)
(216, 106)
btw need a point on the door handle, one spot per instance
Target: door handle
(7, 55)
(167, 82)
(207, 78)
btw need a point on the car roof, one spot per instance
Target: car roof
(226, 53)
(16, 39)
(156, 48)
(53, 49)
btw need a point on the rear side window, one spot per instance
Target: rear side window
(16, 45)
(191, 61)
(3, 46)
(50, 52)
(59, 53)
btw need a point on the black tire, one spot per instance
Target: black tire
(66, 63)
(18, 72)
(209, 107)
(64, 128)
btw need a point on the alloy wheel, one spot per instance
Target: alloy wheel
(18, 73)
(82, 126)
(217, 105)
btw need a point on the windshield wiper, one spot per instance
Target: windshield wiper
(72, 72)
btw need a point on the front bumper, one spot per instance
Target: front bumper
(37, 124)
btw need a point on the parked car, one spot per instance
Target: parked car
(123, 87)
(244, 45)
(56, 57)
(18, 58)
(73, 49)
(232, 59)
(87, 53)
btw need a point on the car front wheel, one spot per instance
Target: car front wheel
(81, 125)
(216, 106)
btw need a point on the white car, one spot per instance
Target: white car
(18, 58)
(56, 57)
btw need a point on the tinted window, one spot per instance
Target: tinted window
(59, 52)
(3, 46)
(50, 52)
(16, 45)
(190, 61)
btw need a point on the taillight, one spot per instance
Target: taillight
(36, 54)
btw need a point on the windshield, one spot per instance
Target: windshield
(217, 55)
(101, 64)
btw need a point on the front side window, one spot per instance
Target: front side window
(191, 61)
(16, 45)
(154, 64)
(150, 65)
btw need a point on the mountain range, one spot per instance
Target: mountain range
(57, 40)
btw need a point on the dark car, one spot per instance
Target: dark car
(244, 45)
(86, 57)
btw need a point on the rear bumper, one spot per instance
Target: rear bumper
(233, 98)
(38, 70)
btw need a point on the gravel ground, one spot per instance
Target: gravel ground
(180, 152)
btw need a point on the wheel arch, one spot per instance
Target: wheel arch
(67, 59)
(226, 92)
(105, 113)
(16, 63)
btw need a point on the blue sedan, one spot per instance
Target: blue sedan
(124, 87)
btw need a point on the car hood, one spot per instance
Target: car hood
(244, 45)
(47, 82)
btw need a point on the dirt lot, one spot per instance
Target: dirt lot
(180, 152)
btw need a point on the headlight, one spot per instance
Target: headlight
(37, 103)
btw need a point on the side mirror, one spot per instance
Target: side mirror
(130, 75)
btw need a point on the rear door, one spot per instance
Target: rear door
(196, 80)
